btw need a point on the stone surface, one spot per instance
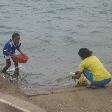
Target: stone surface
(9, 103)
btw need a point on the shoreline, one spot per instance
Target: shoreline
(78, 99)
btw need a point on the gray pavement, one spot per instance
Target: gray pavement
(7, 108)
(9, 103)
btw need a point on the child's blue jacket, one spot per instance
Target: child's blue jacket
(10, 48)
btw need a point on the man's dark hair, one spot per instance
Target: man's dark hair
(15, 35)
(84, 53)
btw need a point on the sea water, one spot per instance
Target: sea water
(52, 32)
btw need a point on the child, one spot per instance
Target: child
(9, 53)
(92, 69)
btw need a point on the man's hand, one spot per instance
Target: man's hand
(77, 72)
(77, 75)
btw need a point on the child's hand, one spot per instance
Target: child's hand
(22, 53)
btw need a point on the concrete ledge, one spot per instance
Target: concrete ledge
(19, 104)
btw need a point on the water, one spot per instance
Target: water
(52, 31)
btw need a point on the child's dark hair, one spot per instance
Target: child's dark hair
(15, 35)
(84, 53)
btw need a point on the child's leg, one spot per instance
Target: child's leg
(8, 64)
(16, 72)
(16, 69)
